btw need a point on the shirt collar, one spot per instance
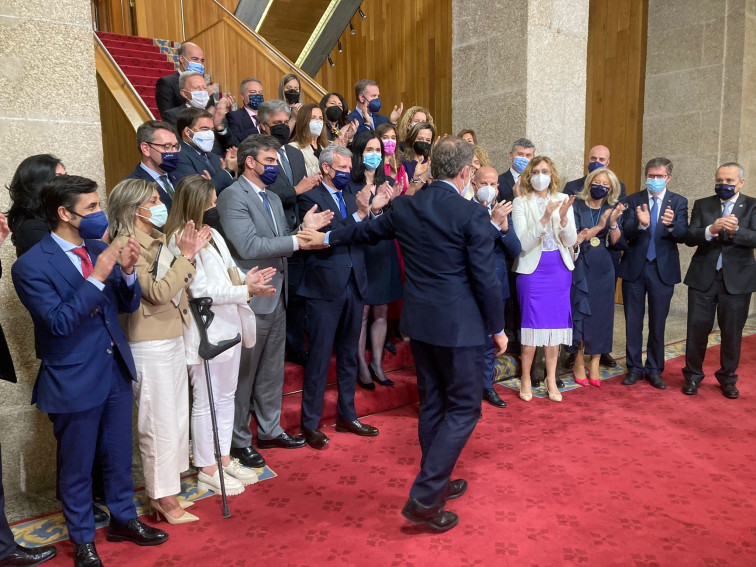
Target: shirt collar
(252, 113)
(660, 195)
(257, 189)
(514, 174)
(331, 190)
(154, 174)
(450, 184)
(64, 244)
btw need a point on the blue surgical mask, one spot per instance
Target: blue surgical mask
(195, 67)
(341, 179)
(169, 161)
(519, 163)
(724, 191)
(159, 215)
(93, 225)
(374, 105)
(655, 186)
(270, 174)
(594, 165)
(371, 160)
(255, 100)
(598, 192)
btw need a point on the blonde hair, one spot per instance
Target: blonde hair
(614, 189)
(527, 189)
(190, 201)
(404, 126)
(483, 157)
(123, 202)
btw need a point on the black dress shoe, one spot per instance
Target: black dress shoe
(493, 398)
(559, 383)
(454, 489)
(730, 391)
(656, 381)
(85, 555)
(608, 360)
(136, 532)
(389, 347)
(690, 388)
(283, 441)
(99, 514)
(315, 438)
(361, 429)
(28, 556)
(369, 386)
(631, 378)
(248, 457)
(298, 357)
(433, 517)
(569, 362)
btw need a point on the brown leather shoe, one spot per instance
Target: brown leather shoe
(361, 429)
(315, 438)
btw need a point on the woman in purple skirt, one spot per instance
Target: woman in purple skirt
(544, 222)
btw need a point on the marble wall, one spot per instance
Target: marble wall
(50, 105)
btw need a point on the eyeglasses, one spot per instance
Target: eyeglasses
(166, 148)
(654, 176)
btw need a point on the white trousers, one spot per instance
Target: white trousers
(162, 398)
(224, 376)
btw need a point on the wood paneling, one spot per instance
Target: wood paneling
(112, 16)
(405, 45)
(162, 19)
(289, 24)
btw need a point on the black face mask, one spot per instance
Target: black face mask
(334, 113)
(291, 96)
(211, 218)
(281, 132)
(422, 148)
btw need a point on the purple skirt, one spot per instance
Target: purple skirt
(545, 305)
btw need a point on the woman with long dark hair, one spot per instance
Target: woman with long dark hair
(338, 128)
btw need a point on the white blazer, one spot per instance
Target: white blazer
(232, 313)
(530, 231)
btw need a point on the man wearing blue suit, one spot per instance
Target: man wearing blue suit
(74, 286)
(243, 122)
(159, 147)
(334, 286)
(452, 304)
(369, 105)
(656, 220)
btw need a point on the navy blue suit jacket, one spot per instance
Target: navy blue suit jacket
(506, 187)
(576, 186)
(378, 119)
(239, 126)
(507, 248)
(452, 297)
(75, 325)
(327, 271)
(666, 240)
(140, 173)
(190, 162)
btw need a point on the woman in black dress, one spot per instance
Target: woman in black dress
(381, 260)
(596, 215)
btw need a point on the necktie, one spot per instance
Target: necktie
(651, 254)
(266, 202)
(727, 211)
(342, 204)
(86, 263)
(210, 169)
(167, 185)
(286, 165)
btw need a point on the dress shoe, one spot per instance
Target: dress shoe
(361, 429)
(283, 441)
(608, 360)
(99, 514)
(526, 397)
(454, 489)
(298, 357)
(389, 347)
(594, 382)
(248, 457)
(690, 388)
(243, 474)
(569, 362)
(581, 381)
(365, 386)
(730, 391)
(85, 555)
(493, 398)
(28, 556)
(433, 517)
(136, 532)
(559, 383)
(315, 438)
(378, 379)
(185, 518)
(656, 381)
(232, 485)
(631, 378)
(554, 397)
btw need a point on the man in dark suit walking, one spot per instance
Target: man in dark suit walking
(369, 105)
(159, 147)
(721, 277)
(452, 303)
(243, 122)
(74, 287)
(655, 221)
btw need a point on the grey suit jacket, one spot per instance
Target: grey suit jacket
(252, 239)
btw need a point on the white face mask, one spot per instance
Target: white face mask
(204, 140)
(316, 127)
(199, 99)
(486, 194)
(540, 182)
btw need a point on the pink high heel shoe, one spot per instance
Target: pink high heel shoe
(581, 381)
(594, 382)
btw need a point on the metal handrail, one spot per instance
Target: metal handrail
(124, 78)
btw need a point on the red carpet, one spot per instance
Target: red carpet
(612, 476)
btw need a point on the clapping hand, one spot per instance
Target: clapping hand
(230, 162)
(643, 215)
(516, 188)
(311, 239)
(347, 133)
(257, 281)
(129, 255)
(668, 217)
(616, 214)
(730, 224)
(383, 197)
(4, 228)
(314, 220)
(363, 200)
(566, 204)
(307, 183)
(192, 240)
(551, 206)
(396, 113)
(106, 260)
(500, 215)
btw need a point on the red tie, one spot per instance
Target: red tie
(86, 263)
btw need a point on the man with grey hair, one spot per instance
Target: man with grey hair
(452, 303)
(721, 277)
(522, 152)
(257, 234)
(335, 286)
(367, 94)
(243, 122)
(167, 95)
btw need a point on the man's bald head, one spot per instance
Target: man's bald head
(190, 52)
(486, 175)
(600, 154)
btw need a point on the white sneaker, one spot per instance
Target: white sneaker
(207, 482)
(241, 473)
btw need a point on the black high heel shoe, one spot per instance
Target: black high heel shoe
(369, 386)
(389, 347)
(374, 374)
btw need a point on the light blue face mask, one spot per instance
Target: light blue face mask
(195, 67)
(655, 186)
(519, 163)
(159, 215)
(371, 160)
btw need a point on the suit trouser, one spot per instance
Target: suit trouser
(261, 377)
(105, 432)
(659, 297)
(7, 543)
(489, 372)
(732, 311)
(332, 323)
(296, 318)
(450, 397)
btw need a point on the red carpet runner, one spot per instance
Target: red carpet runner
(612, 476)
